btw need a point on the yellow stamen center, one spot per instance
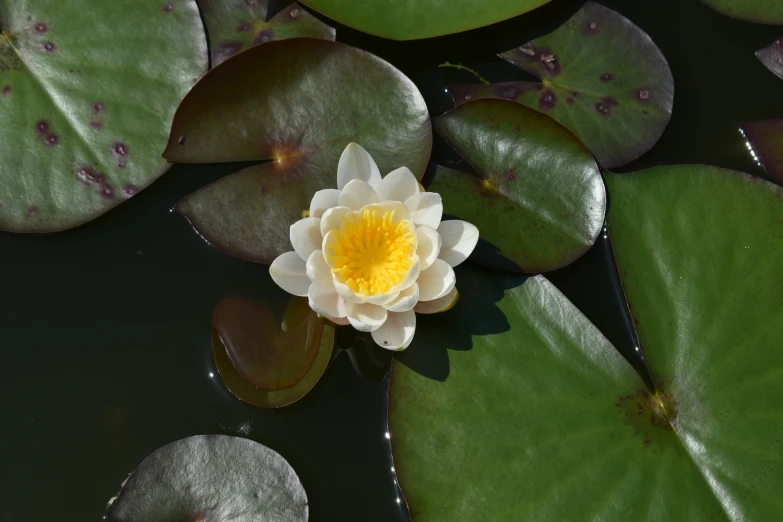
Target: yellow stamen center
(372, 253)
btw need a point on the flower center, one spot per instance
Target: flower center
(372, 254)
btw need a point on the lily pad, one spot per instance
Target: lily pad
(758, 11)
(423, 18)
(298, 103)
(235, 25)
(87, 94)
(772, 57)
(537, 194)
(211, 477)
(266, 357)
(573, 426)
(765, 143)
(245, 391)
(601, 76)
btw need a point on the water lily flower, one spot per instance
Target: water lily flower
(374, 251)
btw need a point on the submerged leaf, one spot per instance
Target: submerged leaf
(235, 25)
(572, 426)
(422, 18)
(87, 93)
(211, 478)
(603, 78)
(537, 195)
(765, 142)
(297, 102)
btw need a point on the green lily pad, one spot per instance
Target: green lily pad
(601, 76)
(772, 57)
(423, 18)
(245, 391)
(87, 93)
(297, 102)
(266, 357)
(758, 11)
(537, 194)
(543, 419)
(765, 143)
(211, 477)
(235, 25)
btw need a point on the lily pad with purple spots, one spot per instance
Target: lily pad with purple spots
(601, 76)
(537, 194)
(211, 478)
(235, 25)
(765, 142)
(411, 20)
(87, 94)
(772, 57)
(758, 11)
(298, 103)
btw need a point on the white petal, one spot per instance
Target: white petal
(323, 200)
(459, 240)
(356, 163)
(401, 212)
(340, 321)
(429, 245)
(397, 332)
(306, 236)
(289, 272)
(405, 301)
(426, 208)
(325, 302)
(410, 277)
(437, 281)
(381, 299)
(333, 219)
(365, 317)
(441, 304)
(330, 238)
(357, 194)
(398, 185)
(318, 271)
(345, 292)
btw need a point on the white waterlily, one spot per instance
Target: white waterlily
(374, 251)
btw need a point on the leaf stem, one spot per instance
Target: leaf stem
(463, 68)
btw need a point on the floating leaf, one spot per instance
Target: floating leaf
(423, 18)
(603, 78)
(245, 391)
(698, 250)
(87, 93)
(211, 477)
(765, 141)
(266, 357)
(772, 57)
(298, 102)
(235, 25)
(758, 11)
(537, 196)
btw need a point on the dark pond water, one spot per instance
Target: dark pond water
(106, 343)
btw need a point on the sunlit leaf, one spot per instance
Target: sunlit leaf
(537, 196)
(297, 102)
(87, 93)
(211, 477)
(602, 77)
(235, 25)
(758, 11)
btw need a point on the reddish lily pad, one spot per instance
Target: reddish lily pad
(772, 57)
(758, 11)
(765, 143)
(211, 478)
(422, 18)
(297, 102)
(87, 93)
(266, 357)
(537, 194)
(601, 76)
(235, 25)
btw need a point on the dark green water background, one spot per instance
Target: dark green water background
(106, 328)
